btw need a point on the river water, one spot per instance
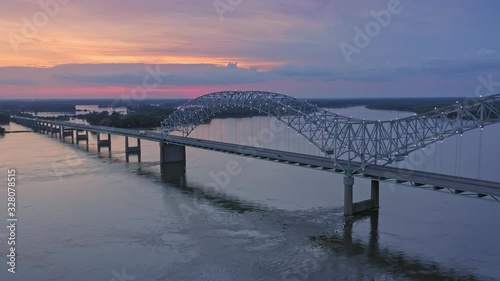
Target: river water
(84, 216)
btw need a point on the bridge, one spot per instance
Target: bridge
(352, 147)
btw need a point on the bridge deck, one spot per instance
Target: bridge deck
(458, 185)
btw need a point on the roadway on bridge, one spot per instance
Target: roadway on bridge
(454, 184)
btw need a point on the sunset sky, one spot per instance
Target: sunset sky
(186, 48)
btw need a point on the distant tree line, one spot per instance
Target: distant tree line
(4, 117)
(142, 117)
(149, 116)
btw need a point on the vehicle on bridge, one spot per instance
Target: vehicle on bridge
(399, 158)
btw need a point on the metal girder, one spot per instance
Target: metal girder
(340, 137)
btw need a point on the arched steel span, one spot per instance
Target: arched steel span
(340, 137)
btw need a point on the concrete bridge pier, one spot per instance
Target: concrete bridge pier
(132, 150)
(68, 133)
(171, 153)
(351, 208)
(82, 137)
(103, 143)
(54, 129)
(173, 172)
(375, 193)
(39, 127)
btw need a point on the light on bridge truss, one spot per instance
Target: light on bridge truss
(369, 142)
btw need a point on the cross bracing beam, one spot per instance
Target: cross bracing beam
(341, 137)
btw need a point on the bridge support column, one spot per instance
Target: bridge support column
(103, 143)
(54, 130)
(348, 196)
(170, 153)
(68, 133)
(133, 150)
(375, 194)
(174, 172)
(351, 208)
(82, 137)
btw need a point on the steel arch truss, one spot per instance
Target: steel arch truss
(340, 137)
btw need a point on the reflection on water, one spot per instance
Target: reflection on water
(339, 241)
(85, 215)
(396, 262)
(175, 173)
